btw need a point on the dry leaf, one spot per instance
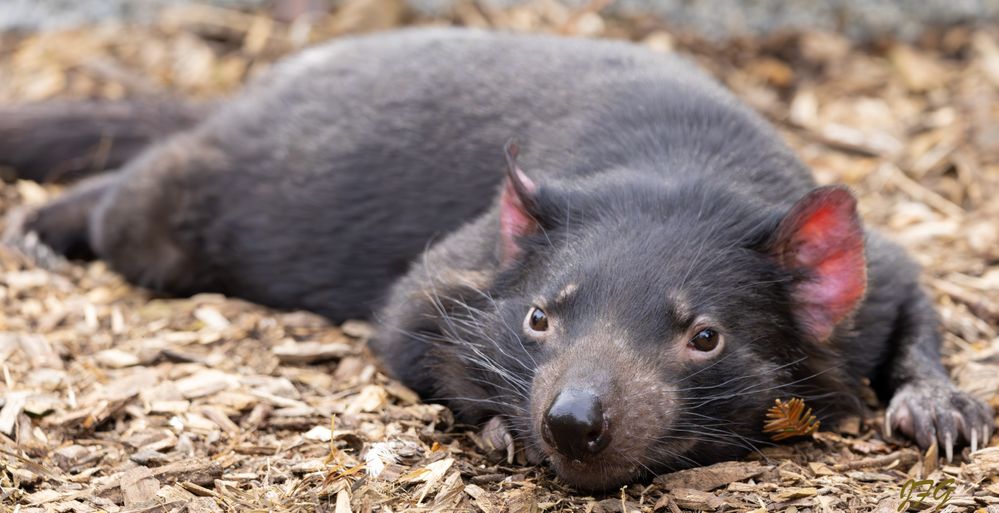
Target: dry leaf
(790, 419)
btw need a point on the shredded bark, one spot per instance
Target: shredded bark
(114, 400)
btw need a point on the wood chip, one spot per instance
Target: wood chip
(699, 500)
(138, 486)
(710, 477)
(203, 505)
(116, 358)
(41, 354)
(484, 500)
(791, 493)
(206, 382)
(342, 502)
(199, 472)
(220, 419)
(311, 352)
(13, 404)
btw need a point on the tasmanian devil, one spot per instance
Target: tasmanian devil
(652, 270)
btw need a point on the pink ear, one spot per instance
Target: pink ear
(821, 238)
(515, 219)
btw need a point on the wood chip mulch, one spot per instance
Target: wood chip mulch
(113, 400)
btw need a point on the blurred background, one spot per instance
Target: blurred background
(712, 18)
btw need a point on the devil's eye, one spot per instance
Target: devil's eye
(705, 340)
(536, 320)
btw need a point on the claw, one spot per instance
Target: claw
(499, 438)
(510, 452)
(939, 414)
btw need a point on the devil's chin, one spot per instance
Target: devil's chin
(616, 466)
(594, 475)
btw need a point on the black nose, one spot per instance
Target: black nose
(575, 424)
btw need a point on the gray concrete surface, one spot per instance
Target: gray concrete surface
(718, 19)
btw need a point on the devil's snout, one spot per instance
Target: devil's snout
(575, 424)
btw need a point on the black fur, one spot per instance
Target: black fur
(69, 140)
(377, 160)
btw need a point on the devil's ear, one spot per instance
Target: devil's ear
(517, 202)
(821, 241)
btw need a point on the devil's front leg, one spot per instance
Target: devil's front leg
(925, 404)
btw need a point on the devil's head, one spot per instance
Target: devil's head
(636, 326)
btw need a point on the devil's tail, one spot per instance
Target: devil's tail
(68, 140)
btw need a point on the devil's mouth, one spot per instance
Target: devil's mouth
(597, 473)
(614, 467)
